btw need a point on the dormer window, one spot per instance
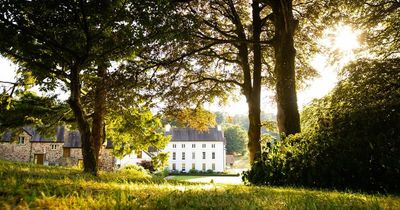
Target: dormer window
(21, 140)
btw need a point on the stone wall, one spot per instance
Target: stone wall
(76, 153)
(52, 151)
(15, 151)
(106, 160)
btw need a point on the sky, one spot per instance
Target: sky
(316, 88)
(341, 37)
(345, 39)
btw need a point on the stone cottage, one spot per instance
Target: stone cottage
(63, 149)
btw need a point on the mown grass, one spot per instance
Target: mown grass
(25, 186)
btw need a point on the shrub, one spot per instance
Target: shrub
(146, 164)
(350, 138)
(134, 171)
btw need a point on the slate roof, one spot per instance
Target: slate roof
(36, 137)
(71, 139)
(6, 137)
(190, 134)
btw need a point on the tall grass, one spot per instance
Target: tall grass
(24, 186)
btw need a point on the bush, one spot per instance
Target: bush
(350, 138)
(146, 164)
(134, 170)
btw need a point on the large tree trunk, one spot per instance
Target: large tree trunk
(255, 100)
(254, 132)
(285, 27)
(98, 135)
(88, 151)
(252, 85)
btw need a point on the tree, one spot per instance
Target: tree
(234, 43)
(134, 129)
(26, 108)
(286, 98)
(74, 43)
(377, 19)
(236, 139)
(219, 117)
(199, 118)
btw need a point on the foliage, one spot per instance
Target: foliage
(378, 19)
(32, 186)
(268, 121)
(219, 118)
(198, 118)
(134, 130)
(236, 139)
(73, 44)
(159, 161)
(134, 170)
(27, 108)
(146, 164)
(351, 140)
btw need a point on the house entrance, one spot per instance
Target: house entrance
(39, 159)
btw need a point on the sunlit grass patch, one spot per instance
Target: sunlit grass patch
(32, 186)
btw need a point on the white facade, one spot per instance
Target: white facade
(132, 159)
(198, 155)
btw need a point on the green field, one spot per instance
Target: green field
(30, 186)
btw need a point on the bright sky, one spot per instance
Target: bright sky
(342, 38)
(7, 70)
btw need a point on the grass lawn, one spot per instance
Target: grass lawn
(25, 186)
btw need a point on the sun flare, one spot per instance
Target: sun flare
(346, 38)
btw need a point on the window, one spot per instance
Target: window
(139, 154)
(203, 167)
(183, 155)
(213, 155)
(204, 145)
(193, 145)
(21, 140)
(183, 167)
(53, 146)
(204, 155)
(173, 166)
(174, 156)
(212, 145)
(193, 155)
(193, 166)
(183, 145)
(213, 166)
(174, 146)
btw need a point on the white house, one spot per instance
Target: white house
(199, 150)
(132, 159)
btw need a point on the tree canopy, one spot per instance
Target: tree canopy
(73, 44)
